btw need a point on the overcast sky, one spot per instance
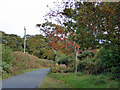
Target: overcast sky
(15, 14)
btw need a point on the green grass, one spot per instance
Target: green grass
(49, 82)
(8, 75)
(81, 81)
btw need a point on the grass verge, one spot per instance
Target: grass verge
(80, 81)
(50, 82)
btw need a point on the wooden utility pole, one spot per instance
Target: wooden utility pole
(24, 39)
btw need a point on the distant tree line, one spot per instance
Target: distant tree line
(36, 45)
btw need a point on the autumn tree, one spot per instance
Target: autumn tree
(61, 39)
(82, 26)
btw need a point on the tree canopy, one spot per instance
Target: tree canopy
(80, 26)
(91, 22)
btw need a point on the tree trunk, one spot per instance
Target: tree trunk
(76, 54)
(75, 66)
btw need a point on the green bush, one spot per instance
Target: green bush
(89, 65)
(7, 58)
(110, 60)
(63, 59)
(105, 61)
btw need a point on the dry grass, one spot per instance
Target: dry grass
(23, 61)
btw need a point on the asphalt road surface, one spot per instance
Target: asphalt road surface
(27, 80)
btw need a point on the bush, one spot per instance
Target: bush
(7, 58)
(89, 65)
(63, 59)
(60, 69)
(110, 60)
(104, 61)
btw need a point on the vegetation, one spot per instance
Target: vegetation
(50, 82)
(94, 41)
(84, 40)
(75, 32)
(13, 41)
(61, 58)
(22, 61)
(36, 45)
(104, 61)
(27, 61)
(60, 69)
(15, 62)
(85, 80)
(7, 58)
(109, 60)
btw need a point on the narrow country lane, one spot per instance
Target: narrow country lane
(27, 80)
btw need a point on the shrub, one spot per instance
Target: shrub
(104, 61)
(63, 59)
(62, 68)
(110, 60)
(7, 58)
(89, 65)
